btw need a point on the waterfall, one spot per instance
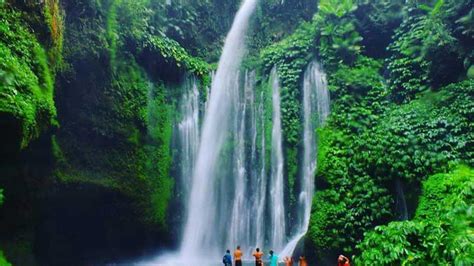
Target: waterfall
(208, 206)
(236, 193)
(261, 180)
(315, 103)
(277, 203)
(188, 134)
(239, 227)
(400, 202)
(315, 113)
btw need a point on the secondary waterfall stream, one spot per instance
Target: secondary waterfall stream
(277, 202)
(315, 112)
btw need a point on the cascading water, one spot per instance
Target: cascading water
(243, 229)
(188, 136)
(239, 226)
(400, 202)
(207, 205)
(277, 203)
(315, 112)
(236, 197)
(211, 198)
(260, 179)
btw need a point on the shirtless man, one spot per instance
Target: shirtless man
(238, 256)
(288, 261)
(258, 257)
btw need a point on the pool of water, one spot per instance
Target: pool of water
(157, 262)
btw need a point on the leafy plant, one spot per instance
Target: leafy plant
(466, 24)
(174, 53)
(336, 7)
(338, 40)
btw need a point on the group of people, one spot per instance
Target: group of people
(273, 259)
(258, 255)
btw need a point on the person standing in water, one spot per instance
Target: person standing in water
(258, 257)
(288, 261)
(238, 256)
(303, 261)
(227, 259)
(273, 259)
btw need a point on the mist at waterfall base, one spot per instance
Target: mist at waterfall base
(231, 196)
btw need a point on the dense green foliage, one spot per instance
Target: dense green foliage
(134, 23)
(26, 81)
(338, 40)
(135, 111)
(359, 156)
(441, 231)
(426, 52)
(111, 69)
(91, 87)
(370, 142)
(351, 192)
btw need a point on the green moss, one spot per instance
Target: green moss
(112, 34)
(129, 150)
(26, 81)
(57, 151)
(54, 17)
(158, 166)
(292, 163)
